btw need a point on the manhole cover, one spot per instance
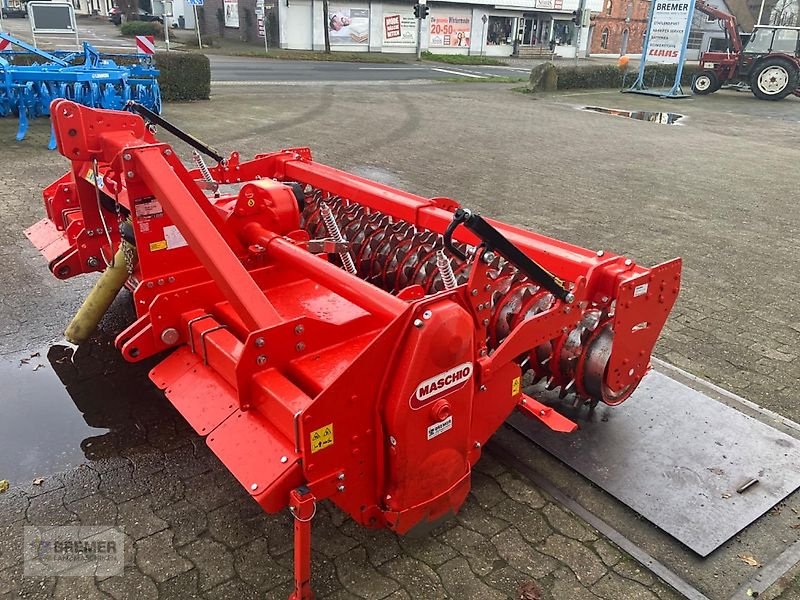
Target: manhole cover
(662, 118)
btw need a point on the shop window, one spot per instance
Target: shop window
(604, 39)
(499, 30)
(609, 6)
(562, 33)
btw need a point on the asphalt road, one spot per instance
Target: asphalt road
(241, 69)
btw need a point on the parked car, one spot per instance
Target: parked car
(115, 16)
(15, 12)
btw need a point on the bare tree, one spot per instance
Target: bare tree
(784, 13)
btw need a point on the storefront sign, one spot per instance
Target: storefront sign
(231, 13)
(348, 26)
(668, 27)
(450, 31)
(399, 28)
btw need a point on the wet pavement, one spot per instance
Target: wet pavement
(193, 532)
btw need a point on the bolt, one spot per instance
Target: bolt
(570, 298)
(485, 322)
(299, 329)
(392, 441)
(488, 257)
(524, 401)
(474, 292)
(261, 360)
(567, 309)
(418, 323)
(487, 287)
(604, 299)
(482, 352)
(92, 262)
(341, 477)
(126, 156)
(160, 282)
(254, 486)
(167, 152)
(388, 497)
(170, 280)
(300, 346)
(482, 388)
(480, 306)
(170, 336)
(150, 284)
(541, 413)
(259, 342)
(427, 315)
(284, 459)
(600, 253)
(628, 262)
(63, 271)
(477, 444)
(630, 373)
(90, 232)
(130, 174)
(340, 488)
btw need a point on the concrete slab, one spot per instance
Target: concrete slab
(677, 457)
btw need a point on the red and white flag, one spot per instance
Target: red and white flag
(4, 44)
(145, 44)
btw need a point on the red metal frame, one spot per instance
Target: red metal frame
(310, 382)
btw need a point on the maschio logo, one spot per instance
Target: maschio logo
(437, 385)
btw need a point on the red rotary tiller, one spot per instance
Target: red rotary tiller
(333, 337)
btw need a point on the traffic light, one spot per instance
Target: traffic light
(576, 17)
(425, 10)
(421, 11)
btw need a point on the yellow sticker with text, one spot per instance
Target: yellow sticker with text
(515, 383)
(322, 438)
(158, 245)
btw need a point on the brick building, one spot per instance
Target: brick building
(620, 27)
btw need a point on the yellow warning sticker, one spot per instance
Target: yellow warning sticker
(162, 245)
(322, 438)
(515, 383)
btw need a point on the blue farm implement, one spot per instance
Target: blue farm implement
(87, 77)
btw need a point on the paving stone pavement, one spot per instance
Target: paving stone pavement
(191, 531)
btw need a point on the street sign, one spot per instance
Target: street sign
(194, 2)
(145, 44)
(52, 17)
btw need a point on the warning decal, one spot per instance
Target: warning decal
(515, 383)
(322, 438)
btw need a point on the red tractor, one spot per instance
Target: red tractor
(768, 63)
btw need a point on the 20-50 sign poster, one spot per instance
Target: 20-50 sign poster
(670, 20)
(450, 31)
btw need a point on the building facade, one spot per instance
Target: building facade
(470, 27)
(619, 28)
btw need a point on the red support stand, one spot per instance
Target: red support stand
(303, 507)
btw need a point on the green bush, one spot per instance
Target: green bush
(183, 76)
(610, 76)
(132, 28)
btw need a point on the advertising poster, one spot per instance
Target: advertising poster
(348, 26)
(670, 21)
(231, 8)
(450, 31)
(399, 28)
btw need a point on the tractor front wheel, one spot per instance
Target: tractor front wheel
(773, 79)
(705, 82)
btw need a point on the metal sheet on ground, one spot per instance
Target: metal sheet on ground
(677, 457)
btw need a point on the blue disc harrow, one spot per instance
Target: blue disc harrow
(87, 77)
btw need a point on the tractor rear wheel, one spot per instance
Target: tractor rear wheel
(705, 82)
(773, 79)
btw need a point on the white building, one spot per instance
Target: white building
(468, 27)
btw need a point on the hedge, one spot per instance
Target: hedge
(132, 28)
(610, 76)
(184, 76)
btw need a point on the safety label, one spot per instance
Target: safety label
(147, 208)
(322, 438)
(515, 385)
(173, 237)
(440, 427)
(640, 290)
(156, 246)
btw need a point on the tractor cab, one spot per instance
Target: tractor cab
(768, 40)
